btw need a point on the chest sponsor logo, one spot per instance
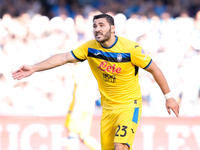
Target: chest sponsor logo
(105, 67)
(109, 78)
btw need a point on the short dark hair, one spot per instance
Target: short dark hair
(108, 18)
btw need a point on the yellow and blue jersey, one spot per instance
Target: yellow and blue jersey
(116, 70)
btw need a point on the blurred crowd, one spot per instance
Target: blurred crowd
(33, 30)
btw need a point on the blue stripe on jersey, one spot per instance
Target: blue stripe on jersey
(76, 57)
(135, 115)
(148, 64)
(109, 56)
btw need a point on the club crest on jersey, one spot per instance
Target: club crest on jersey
(119, 57)
(143, 52)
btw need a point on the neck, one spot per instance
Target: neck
(109, 42)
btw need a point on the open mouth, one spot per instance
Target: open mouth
(98, 34)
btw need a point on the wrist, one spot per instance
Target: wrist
(33, 68)
(168, 95)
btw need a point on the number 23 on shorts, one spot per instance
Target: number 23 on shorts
(121, 131)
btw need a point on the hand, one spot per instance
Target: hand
(22, 72)
(172, 104)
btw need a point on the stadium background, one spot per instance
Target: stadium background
(32, 111)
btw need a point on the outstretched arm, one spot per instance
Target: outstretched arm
(52, 62)
(161, 81)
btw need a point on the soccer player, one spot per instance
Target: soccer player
(80, 114)
(115, 62)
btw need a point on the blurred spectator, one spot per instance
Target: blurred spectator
(194, 7)
(6, 104)
(62, 8)
(196, 32)
(159, 7)
(189, 83)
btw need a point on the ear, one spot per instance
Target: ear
(112, 28)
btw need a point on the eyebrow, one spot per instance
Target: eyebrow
(98, 23)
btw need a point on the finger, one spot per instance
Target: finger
(17, 71)
(21, 77)
(169, 111)
(176, 113)
(18, 76)
(178, 109)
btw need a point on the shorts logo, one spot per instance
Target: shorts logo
(132, 130)
(105, 67)
(119, 57)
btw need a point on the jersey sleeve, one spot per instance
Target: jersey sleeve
(139, 57)
(81, 52)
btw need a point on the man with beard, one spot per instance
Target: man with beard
(114, 62)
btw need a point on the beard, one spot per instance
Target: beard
(105, 38)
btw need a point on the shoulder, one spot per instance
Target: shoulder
(128, 43)
(90, 43)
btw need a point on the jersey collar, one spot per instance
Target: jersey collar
(116, 38)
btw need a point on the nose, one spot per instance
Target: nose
(97, 29)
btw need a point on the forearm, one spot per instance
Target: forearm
(52, 62)
(161, 81)
(159, 77)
